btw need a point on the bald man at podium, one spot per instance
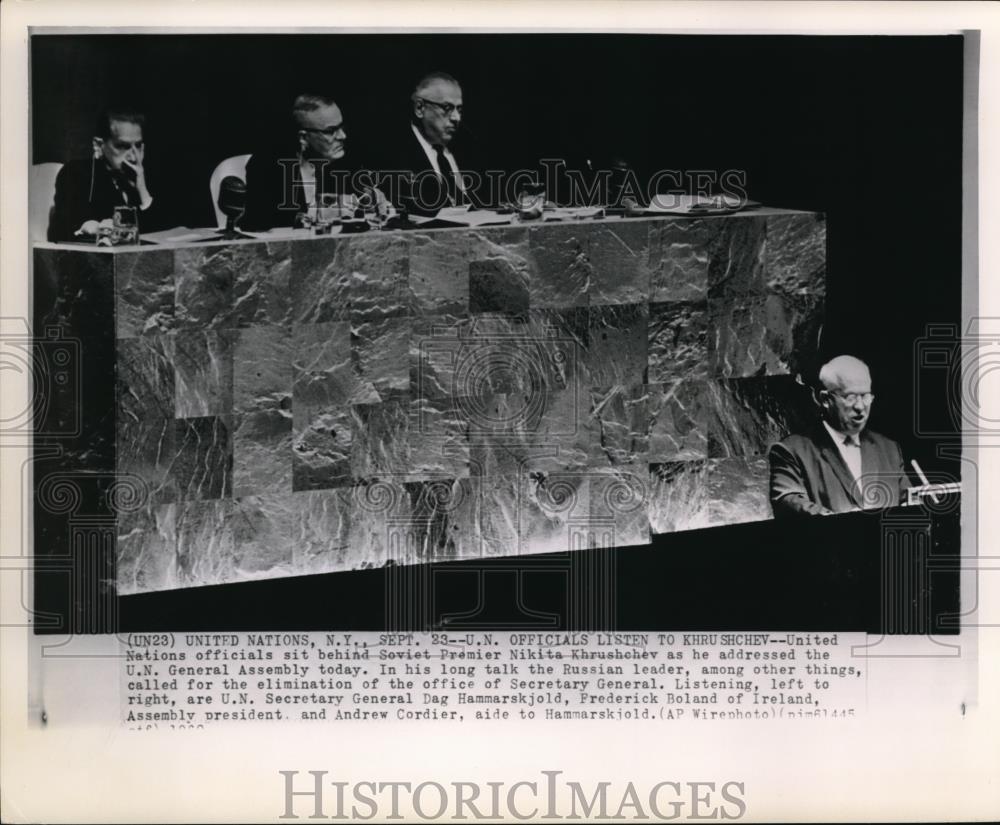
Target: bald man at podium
(839, 465)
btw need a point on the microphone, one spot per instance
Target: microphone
(232, 203)
(924, 481)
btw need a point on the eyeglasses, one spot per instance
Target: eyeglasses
(446, 108)
(852, 398)
(124, 145)
(328, 132)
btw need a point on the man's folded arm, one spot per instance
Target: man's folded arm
(789, 496)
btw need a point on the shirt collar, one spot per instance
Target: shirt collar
(838, 437)
(426, 145)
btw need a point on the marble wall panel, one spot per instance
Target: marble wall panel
(261, 284)
(387, 440)
(521, 453)
(619, 502)
(444, 514)
(691, 495)
(202, 464)
(616, 354)
(262, 440)
(263, 452)
(677, 420)
(620, 258)
(553, 512)
(321, 448)
(74, 291)
(563, 271)
(144, 289)
(203, 372)
(321, 537)
(435, 350)
(678, 345)
(265, 530)
(146, 378)
(736, 258)
(510, 387)
(381, 525)
(795, 257)
(499, 514)
(325, 373)
(262, 369)
(183, 544)
(765, 334)
(620, 418)
(439, 269)
(147, 550)
(363, 278)
(440, 442)
(381, 351)
(206, 548)
(325, 383)
(679, 255)
(146, 448)
(73, 395)
(747, 415)
(203, 284)
(145, 431)
(498, 285)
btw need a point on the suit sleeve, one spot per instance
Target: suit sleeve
(71, 208)
(904, 479)
(160, 214)
(265, 194)
(789, 495)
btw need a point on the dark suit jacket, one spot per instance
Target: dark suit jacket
(408, 180)
(274, 186)
(85, 191)
(809, 477)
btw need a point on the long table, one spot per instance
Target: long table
(259, 409)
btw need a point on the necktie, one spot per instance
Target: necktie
(852, 458)
(448, 173)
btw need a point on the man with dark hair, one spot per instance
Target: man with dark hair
(295, 176)
(839, 465)
(87, 191)
(422, 174)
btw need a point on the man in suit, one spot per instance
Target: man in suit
(423, 174)
(293, 177)
(840, 465)
(87, 191)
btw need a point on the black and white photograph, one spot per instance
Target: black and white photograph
(523, 391)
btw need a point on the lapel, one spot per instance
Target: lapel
(831, 455)
(871, 460)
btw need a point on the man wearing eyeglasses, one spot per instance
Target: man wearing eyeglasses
(424, 175)
(840, 465)
(289, 180)
(87, 191)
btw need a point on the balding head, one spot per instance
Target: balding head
(845, 393)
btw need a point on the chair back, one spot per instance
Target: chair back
(42, 199)
(236, 166)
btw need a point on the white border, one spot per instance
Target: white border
(920, 759)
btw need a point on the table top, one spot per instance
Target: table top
(181, 237)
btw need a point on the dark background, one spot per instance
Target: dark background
(865, 129)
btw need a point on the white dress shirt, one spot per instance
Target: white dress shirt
(432, 157)
(307, 172)
(851, 453)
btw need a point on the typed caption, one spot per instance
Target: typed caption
(192, 680)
